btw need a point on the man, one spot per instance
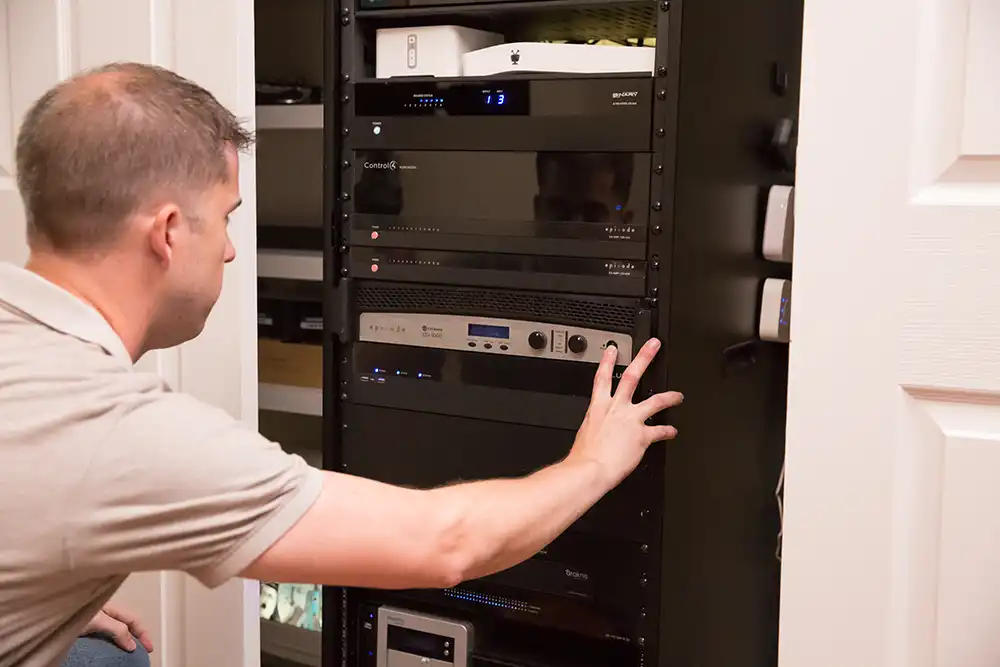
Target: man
(129, 174)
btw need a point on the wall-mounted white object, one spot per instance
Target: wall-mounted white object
(779, 224)
(435, 50)
(776, 310)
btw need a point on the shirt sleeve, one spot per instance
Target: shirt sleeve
(181, 485)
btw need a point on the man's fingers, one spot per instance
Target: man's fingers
(632, 375)
(117, 630)
(658, 433)
(658, 403)
(605, 371)
(134, 627)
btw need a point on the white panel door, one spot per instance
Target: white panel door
(44, 41)
(892, 500)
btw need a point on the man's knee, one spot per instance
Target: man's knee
(101, 652)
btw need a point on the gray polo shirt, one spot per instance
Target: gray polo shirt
(104, 471)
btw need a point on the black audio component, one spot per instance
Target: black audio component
(597, 580)
(519, 357)
(540, 203)
(418, 448)
(587, 114)
(558, 274)
(486, 386)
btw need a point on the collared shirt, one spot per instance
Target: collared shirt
(105, 471)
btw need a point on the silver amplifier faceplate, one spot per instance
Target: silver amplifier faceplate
(493, 336)
(409, 639)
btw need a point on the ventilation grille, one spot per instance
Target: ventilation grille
(588, 312)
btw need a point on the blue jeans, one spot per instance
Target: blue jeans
(97, 651)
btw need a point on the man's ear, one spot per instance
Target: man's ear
(163, 231)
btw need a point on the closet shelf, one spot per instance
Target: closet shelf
(286, 398)
(290, 264)
(290, 117)
(290, 643)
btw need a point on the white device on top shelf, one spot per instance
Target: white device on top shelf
(558, 58)
(779, 224)
(434, 50)
(776, 310)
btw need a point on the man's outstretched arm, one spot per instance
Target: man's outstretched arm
(369, 534)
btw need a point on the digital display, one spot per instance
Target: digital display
(489, 331)
(494, 98)
(446, 98)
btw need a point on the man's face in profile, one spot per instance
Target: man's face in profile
(582, 188)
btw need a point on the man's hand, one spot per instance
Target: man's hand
(614, 433)
(120, 626)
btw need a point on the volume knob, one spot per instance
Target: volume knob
(577, 344)
(537, 340)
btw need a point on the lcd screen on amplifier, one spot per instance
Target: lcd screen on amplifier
(489, 331)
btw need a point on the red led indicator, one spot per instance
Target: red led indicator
(374, 268)
(374, 235)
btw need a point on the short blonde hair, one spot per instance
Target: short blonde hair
(98, 147)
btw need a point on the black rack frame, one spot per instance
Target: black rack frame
(726, 75)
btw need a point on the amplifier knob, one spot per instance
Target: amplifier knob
(537, 340)
(577, 344)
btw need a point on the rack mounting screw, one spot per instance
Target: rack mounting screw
(343, 271)
(658, 169)
(662, 94)
(656, 230)
(346, 78)
(660, 132)
(346, 131)
(345, 196)
(345, 99)
(661, 71)
(343, 397)
(657, 206)
(346, 164)
(654, 291)
(644, 548)
(346, 20)
(665, 6)
(641, 641)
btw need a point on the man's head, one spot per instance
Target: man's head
(134, 165)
